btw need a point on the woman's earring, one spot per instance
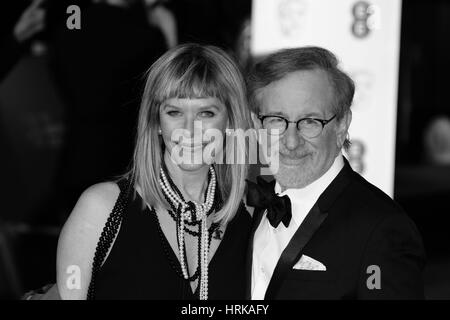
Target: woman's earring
(160, 132)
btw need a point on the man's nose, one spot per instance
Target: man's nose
(292, 138)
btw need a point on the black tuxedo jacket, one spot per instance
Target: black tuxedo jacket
(352, 227)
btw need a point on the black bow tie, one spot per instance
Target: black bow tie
(262, 195)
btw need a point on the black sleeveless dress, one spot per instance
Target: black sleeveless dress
(141, 262)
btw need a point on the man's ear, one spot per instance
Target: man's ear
(256, 121)
(342, 128)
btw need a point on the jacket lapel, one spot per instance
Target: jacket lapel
(309, 226)
(257, 215)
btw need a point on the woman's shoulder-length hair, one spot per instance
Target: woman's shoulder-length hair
(191, 71)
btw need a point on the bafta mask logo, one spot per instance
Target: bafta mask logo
(366, 18)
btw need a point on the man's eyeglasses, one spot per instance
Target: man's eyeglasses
(308, 127)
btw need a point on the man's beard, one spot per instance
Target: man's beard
(294, 176)
(290, 177)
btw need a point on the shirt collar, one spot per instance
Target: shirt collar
(309, 195)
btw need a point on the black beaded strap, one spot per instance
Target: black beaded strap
(109, 233)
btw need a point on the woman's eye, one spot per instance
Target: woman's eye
(173, 113)
(207, 114)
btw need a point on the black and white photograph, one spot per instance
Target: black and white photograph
(237, 151)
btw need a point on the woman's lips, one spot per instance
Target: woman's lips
(191, 148)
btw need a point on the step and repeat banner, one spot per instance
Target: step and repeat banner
(365, 36)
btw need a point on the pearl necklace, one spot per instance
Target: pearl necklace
(192, 211)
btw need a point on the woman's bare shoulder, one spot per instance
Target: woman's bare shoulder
(100, 195)
(94, 205)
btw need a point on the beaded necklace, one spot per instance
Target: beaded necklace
(192, 213)
(173, 212)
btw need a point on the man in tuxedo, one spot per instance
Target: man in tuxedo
(321, 231)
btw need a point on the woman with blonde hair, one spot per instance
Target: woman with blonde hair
(172, 227)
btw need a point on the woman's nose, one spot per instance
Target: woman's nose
(192, 126)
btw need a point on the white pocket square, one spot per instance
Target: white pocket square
(308, 263)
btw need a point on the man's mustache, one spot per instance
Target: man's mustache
(293, 155)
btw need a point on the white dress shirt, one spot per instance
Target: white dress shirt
(269, 243)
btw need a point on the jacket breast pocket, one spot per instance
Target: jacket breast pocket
(311, 275)
(308, 285)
